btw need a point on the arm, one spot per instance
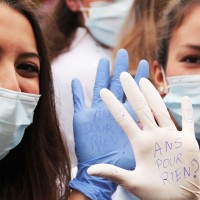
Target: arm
(76, 195)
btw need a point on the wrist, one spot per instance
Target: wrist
(95, 188)
(77, 195)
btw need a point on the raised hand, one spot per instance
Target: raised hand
(167, 160)
(98, 137)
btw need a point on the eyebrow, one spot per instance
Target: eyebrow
(24, 55)
(29, 55)
(191, 46)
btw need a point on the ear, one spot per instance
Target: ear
(73, 5)
(158, 78)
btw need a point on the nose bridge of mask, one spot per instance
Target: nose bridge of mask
(103, 9)
(17, 107)
(184, 79)
(185, 86)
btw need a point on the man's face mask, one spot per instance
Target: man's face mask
(105, 19)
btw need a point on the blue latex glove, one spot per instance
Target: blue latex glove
(98, 138)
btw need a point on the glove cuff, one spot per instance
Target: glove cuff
(91, 191)
(96, 188)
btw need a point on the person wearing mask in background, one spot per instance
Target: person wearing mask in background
(139, 39)
(177, 74)
(84, 32)
(177, 66)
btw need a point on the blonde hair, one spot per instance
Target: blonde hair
(138, 34)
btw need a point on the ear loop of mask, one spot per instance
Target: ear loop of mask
(166, 87)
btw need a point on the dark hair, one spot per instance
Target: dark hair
(172, 18)
(38, 168)
(59, 28)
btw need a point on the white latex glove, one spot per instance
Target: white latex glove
(167, 160)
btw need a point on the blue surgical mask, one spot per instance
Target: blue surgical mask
(105, 19)
(16, 113)
(178, 87)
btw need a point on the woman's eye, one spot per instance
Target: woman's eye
(193, 60)
(28, 69)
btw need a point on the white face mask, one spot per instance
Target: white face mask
(105, 19)
(16, 113)
(180, 86)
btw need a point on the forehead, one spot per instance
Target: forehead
(15, 27)
(191, 18)
(189, 30)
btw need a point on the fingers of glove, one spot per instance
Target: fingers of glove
(187, 116)
(137, 101)
(102, 79)
(156, 104)
(128, 107)
(118, 175)
(142, 71)
(121, 65)
(121, 115)
(78, 96)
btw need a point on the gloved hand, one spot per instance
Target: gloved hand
(167, 160)
(98, 138)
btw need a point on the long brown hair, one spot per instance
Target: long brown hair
(38, 168)
(60, 25)
(172, 18)
(139, 32)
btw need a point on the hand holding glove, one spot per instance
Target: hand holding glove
(167, 160)
(98, 137)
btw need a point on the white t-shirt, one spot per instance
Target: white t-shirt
(80, 62)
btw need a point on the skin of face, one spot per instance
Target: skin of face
(184, 49)
(19, 60)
